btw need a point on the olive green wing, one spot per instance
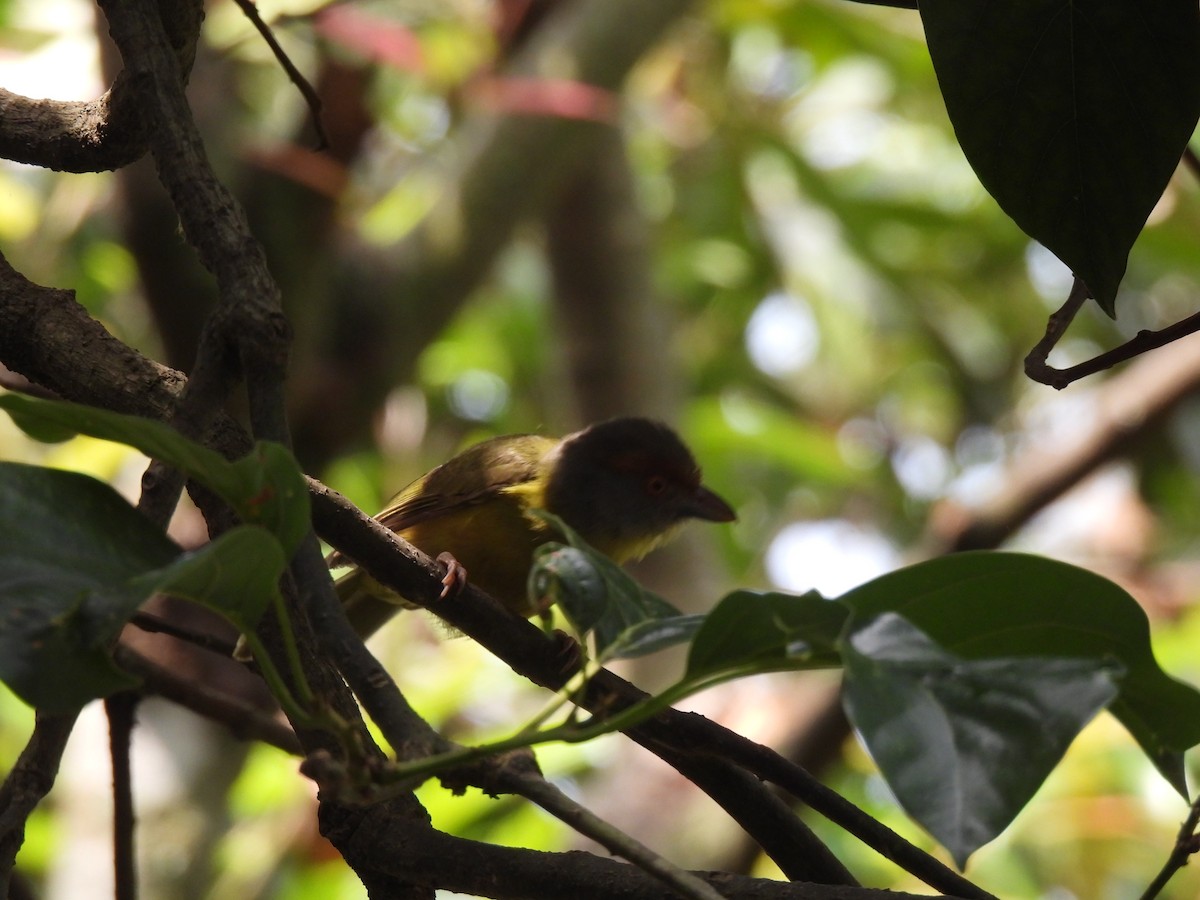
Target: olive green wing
(475, 476)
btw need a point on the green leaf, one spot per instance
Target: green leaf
(964, 744)
(1074, 115)
(598, 596)
(653, 635)
(567, 578)
(276, 493)
(985, 605)
(69, 560)
(40, 429)
(765, 631)
(77, 560)
(236, 575)
(265, 487)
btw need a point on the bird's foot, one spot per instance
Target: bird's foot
(455, 578)
(568, 654)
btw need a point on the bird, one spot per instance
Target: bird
(625, 485)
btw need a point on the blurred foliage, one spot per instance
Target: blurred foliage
(849, 315)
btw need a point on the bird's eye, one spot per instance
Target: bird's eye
(656, 485)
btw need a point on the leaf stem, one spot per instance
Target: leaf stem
(295, 710)
(569, 732)
(291, 650)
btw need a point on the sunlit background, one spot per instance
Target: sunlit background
(845, 314)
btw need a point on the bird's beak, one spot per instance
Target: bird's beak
(704, 504)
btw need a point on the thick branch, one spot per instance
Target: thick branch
(249, 316)
(71, 135)
(94, 135)
(50, 339)
(508, 873)
(28, 782)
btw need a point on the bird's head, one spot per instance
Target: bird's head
(626, 484)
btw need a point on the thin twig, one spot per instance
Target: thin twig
(302, 84)
(121, 709)
(1056, 326)
(1037, 368)
(1124, 410)
(243, 720)
(535, 788)
(153, 624)
(1186, 843)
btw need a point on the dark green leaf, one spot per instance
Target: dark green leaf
(567, 578)
(69, 560)
(767, 630)
(594, 593)
(75, 563)
(654, 635)
(40, 429)
(985, 605)
(236, 575)
(1074, 115)
(265, 487)
(964, 744)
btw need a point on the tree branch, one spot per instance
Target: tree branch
(507, 873)
(121, 709)
(73, 136)
(244, 720)
(248, 321)
(51, 339)
(95, 135)
(28, 782)
(533, 787)
(689, 737)
(1187, 844)
(311, 98)
(1040, 371)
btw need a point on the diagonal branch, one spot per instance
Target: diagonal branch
(1187, 844)
(693, 742)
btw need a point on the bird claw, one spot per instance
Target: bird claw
(568, 655)
(455, 578)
